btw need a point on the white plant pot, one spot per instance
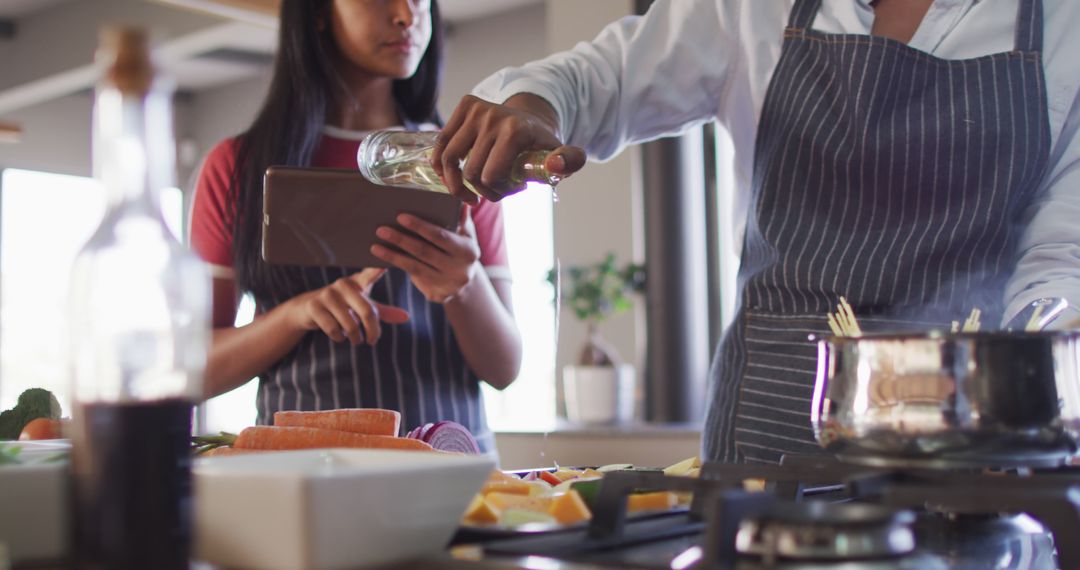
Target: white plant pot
(599, 394)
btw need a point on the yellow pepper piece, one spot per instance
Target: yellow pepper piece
(569, 508)
(481, 512)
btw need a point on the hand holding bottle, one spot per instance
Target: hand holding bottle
(492, 136)
(344, 311)
(440, 263)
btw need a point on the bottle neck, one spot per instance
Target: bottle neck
(133, 148)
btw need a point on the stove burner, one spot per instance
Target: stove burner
(816, 530)
(986, 541)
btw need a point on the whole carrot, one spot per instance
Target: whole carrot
(277, 437)
(371, 421)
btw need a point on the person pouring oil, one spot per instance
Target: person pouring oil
(916, 156)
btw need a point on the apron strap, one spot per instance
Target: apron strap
(1029, 26)
(803, 14)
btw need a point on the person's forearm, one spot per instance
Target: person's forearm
(238, 354)
(486, 332)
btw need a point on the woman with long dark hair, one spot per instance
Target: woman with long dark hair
(418, 337)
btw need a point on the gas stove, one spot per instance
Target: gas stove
(814, 513)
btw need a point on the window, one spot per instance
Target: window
(235, 409)
(44, 221)
(529, 403)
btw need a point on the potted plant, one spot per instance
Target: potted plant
(599, 388)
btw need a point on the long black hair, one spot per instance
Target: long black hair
(288, 127)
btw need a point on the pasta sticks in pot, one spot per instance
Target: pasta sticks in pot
(972, 324)
(1033, 322)
(843, 323)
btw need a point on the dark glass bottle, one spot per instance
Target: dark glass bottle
(139, 308)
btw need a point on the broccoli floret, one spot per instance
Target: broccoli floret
(32, 404)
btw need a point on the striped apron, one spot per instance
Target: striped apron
(416, 368)
(883, 174)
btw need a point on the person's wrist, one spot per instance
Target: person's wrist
(292, 314)
(537, 107)
(464, 293)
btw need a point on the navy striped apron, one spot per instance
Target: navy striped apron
(416, 368)
(883, 174)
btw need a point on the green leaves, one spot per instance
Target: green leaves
(203, 443)
(9, 454)
(595, 292)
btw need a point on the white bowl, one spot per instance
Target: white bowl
(33, 502)
(324, 509)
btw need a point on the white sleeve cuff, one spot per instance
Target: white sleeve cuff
(498, 272)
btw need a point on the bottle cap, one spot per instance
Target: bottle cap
(124, 51)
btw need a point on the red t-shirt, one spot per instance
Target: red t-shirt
(213, 216)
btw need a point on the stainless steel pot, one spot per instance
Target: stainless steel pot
(996, 399)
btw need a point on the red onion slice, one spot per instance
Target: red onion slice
(451, 436)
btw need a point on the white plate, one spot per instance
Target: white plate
(323, 509)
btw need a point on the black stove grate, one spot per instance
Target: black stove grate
(720, 504)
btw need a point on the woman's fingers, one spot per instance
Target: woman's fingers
(343, 310)
(465, 227)
(392, 315)
(359, 311)
(408, 263)
(442, 239)
(325, 320)
(340, 299)
(367, 277)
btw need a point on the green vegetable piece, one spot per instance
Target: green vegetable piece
(588, 489)
(32, 404)
(9, 454)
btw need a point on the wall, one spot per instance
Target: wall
(213, 115)
(477, 48)
(598, 192)
(56, 137)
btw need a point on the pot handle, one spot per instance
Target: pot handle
(1043, 311)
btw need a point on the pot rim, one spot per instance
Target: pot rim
(937, 335)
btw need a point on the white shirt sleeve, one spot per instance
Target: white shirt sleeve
(1049, 247)
(642, 78)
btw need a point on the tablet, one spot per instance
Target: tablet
(328, 217)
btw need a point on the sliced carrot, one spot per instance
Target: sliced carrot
(370, 421)
(274, 437)
(657, 501)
